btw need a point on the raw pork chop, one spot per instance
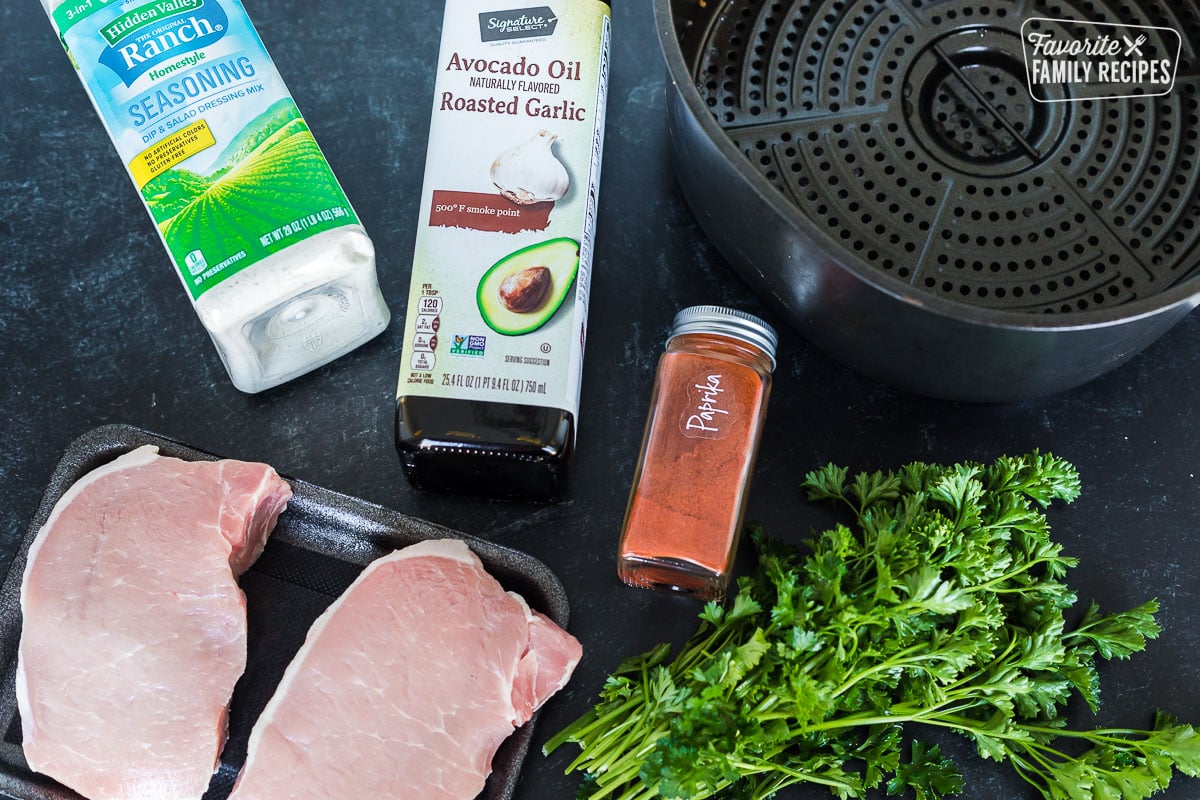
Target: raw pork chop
(407, 685)
(134, 628)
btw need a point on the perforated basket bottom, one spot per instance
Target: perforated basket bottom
(908, 131)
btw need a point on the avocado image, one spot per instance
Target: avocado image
(521, 291)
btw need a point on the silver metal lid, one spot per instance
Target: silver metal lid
(727, 322)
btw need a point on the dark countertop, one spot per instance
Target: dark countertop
(94, 329)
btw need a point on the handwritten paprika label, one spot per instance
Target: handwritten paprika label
(705, 416)
(686, 507)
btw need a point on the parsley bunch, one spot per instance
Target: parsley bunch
(944, 607)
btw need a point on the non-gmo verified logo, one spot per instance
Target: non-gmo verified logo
(517, 23)
(470, 345)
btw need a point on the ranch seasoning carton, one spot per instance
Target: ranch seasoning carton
(268, 247)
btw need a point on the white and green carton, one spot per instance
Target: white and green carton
(270, 250)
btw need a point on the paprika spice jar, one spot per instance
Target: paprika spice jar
(689, 492)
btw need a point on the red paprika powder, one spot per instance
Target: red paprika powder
(685, 510)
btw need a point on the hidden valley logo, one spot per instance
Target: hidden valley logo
(142, 38)
(1070, 60)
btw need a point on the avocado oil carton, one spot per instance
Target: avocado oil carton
(269, 249)
(488, 393)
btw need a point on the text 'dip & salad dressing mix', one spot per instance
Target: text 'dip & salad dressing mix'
(488, 393)
(273, 257)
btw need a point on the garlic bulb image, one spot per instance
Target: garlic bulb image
(530, 172)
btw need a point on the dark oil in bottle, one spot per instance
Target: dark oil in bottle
(501, 450)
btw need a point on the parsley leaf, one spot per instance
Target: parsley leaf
(928, 774)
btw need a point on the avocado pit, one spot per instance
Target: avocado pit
(526, 290)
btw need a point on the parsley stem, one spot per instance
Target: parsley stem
(996, 585)
(760, 766)
(900, 660)
(605, 754)
(613, 781)
(1107, 735)
(583, 727)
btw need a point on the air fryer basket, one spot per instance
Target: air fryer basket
(895, 148)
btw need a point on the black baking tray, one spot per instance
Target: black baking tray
(321, 543)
